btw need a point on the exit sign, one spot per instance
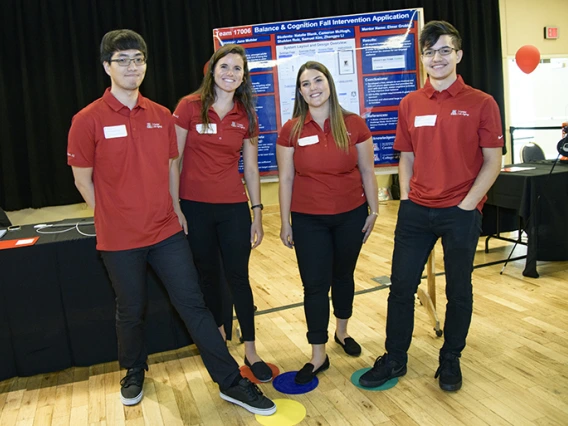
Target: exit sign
(551, 33)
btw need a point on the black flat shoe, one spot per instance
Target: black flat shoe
(351, 347)
(307, 373)
(260, 370)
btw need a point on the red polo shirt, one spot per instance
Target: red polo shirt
(327, 180)
(129, 152)
(446, 131)
(211, 156)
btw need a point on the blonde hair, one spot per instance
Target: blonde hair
(336, 112)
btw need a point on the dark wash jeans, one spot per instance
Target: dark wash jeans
(417, 230)
(219, 235)
(171, 260)
(327, 249)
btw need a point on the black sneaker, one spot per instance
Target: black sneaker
(449, 373)
(383, 370)
(250, 397)
(131, 386)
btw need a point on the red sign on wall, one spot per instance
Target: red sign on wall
(551, 33)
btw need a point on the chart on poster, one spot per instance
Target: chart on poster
(372, 57)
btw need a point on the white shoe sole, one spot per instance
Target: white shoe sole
(132, 401)
(260, 411)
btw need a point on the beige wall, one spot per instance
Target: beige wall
(522, 23)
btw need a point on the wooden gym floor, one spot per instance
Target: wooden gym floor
(515, 366)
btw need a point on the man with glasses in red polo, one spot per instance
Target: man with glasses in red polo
(450, 140)
(121, 148)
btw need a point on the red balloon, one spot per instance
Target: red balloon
(205, 67)
(527, 57)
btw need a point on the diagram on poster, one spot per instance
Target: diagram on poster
(341, 65)
(372, 57)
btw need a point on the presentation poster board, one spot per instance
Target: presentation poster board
(373, 58)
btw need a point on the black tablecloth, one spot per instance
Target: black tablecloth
(540, 198)
(57, 306)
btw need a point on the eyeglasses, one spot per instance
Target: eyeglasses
(125, 62)
(444, 51)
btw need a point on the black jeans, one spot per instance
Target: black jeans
(417, 230)
(169, 259)
(219, 236)
(327, 248)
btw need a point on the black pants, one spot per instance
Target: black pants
(417, 230)
(327, 248)
(224, 229)
(169, 259)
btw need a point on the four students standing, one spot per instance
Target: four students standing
(151, 190)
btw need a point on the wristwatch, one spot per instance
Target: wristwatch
(257, 206)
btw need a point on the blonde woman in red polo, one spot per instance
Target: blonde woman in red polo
(213, 125)
(328, 205)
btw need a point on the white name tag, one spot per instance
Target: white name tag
(112, 132)
(211, 129)
(425, 120)
(308, 140)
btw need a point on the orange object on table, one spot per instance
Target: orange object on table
(21, 242)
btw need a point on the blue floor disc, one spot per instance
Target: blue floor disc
(285, 383)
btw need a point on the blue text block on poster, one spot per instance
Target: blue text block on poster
(387, 90)
(382, 121)
(258, 58)
(266, 111)
(383, 148)
(388, 53)
(266, 153)
(262, 83)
